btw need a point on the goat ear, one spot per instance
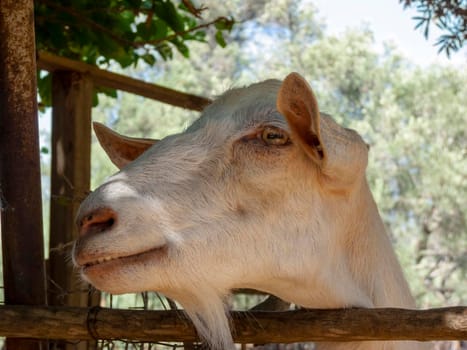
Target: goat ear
(298, 104)
(339, 153)
(120, 149)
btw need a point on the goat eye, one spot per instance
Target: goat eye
(274, 136)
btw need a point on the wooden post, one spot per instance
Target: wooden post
(20, 187)
(70, 176)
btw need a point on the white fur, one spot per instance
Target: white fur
(239, 214)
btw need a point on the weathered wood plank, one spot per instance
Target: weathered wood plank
(70, 183)
(20, 187)
(70, 178)
(250, 327)
(51, 63)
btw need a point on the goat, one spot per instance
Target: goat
(262, 191)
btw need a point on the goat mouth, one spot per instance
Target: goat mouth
(107, 261)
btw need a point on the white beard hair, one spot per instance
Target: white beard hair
(209, 314)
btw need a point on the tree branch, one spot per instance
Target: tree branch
(177, 34)
(249, 327)
(195, 11)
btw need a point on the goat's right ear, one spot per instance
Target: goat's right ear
(120, 149)
(297, 103)
(338, 152)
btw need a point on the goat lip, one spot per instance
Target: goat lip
(125, 259)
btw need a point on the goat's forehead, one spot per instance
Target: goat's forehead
(243, 107)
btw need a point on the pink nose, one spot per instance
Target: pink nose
(96, 221)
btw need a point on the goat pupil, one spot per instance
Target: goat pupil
(275, 136)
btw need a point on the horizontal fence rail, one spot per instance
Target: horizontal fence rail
(249, 327)
(103, 78)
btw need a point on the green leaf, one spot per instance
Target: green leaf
(149, 59)
(159, 29)
(95, 99)
(224, 24)
(183, 49)
(44, 86)
(220, 39)
(143, 31)
(156, 29)
(199, 36)
(107, 91)
(166, 11)
(165, 51)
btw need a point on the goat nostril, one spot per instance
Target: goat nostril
(98, 221)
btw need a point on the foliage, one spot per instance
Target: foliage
(450, 16)
(122, 31)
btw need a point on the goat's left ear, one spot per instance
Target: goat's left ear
(298, 104)
(120, 149)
